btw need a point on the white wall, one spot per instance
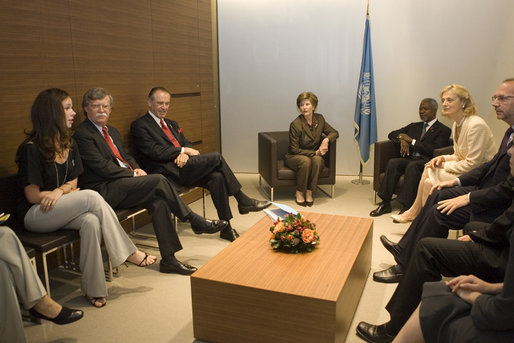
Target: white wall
(272, 50)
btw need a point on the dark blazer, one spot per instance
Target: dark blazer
(100, 164)
(437, 136)
(155, 148)
(493, 184)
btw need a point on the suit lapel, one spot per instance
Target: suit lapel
(157, 129)
(430, 130)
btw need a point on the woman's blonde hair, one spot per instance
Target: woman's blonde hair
(463, 94)
(307, 96)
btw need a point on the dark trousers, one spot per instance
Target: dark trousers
(430, 222)
(434, 257)
(396, 167)
(156, 194)
(212, 172)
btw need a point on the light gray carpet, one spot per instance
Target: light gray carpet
(147, 306)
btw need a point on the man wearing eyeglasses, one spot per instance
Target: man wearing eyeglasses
(111, 171)
(479, 195)
(476, 195)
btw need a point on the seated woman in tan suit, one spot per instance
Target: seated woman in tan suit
(309, 135)
(472, 144)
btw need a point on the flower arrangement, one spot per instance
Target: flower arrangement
(294, 234)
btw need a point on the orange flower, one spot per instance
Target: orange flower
(308, 236)
(279, 227)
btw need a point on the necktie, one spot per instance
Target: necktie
(168, 133)
(113, 147)
(505, 140)
(425, 125)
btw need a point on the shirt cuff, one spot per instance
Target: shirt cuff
(413, 142)
(182, 150)
(460, 184)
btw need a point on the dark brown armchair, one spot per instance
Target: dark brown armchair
(272, 149)
(384, 151)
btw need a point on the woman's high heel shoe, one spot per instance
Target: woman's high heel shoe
(302, 203)
(398, 219)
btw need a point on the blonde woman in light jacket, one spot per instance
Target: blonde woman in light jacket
(473, 145)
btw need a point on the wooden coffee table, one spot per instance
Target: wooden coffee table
(250, 293)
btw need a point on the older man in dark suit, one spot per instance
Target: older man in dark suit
(479, 195)
(165, 150)
(416, 142)
(111, 171)
(483, 252)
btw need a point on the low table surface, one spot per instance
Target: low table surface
(250, 261)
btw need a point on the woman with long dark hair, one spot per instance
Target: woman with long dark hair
(49, 165)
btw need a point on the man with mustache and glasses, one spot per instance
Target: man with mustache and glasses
(111, 171)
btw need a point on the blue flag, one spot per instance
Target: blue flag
(365, 120)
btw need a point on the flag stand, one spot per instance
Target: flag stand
(360, 181)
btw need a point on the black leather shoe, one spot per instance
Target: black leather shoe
(210, 226)
(374, 333)
(391, 246)
(66, 316)
(383, 208)
(254, 206)
(390, 275)
(301, 203)
(177, 267)
(229, 234)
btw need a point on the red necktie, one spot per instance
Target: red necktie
(113, 147)
(168, 133)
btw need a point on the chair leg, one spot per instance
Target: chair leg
(332, 191)
(271, 194)
(109, 270)
(203, 202)
(45, 274)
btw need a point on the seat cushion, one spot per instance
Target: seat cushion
(44, 242)
(286, 173)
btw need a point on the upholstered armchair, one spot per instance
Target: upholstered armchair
(385, 150)
(272, 149)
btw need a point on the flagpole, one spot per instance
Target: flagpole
(360, 180)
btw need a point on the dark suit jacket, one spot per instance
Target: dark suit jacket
(496, 311)
(437, 136)
(100, 164)
(493, 186)
(492, 234)
(157, 152)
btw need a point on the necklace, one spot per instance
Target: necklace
(57, 174)
(461, 121)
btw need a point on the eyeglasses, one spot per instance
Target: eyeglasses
(501, 98)
(98, 106)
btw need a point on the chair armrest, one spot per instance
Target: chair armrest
(447, 150)
(332, 160)
(267, 152)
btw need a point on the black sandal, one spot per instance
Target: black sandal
(94, 300)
